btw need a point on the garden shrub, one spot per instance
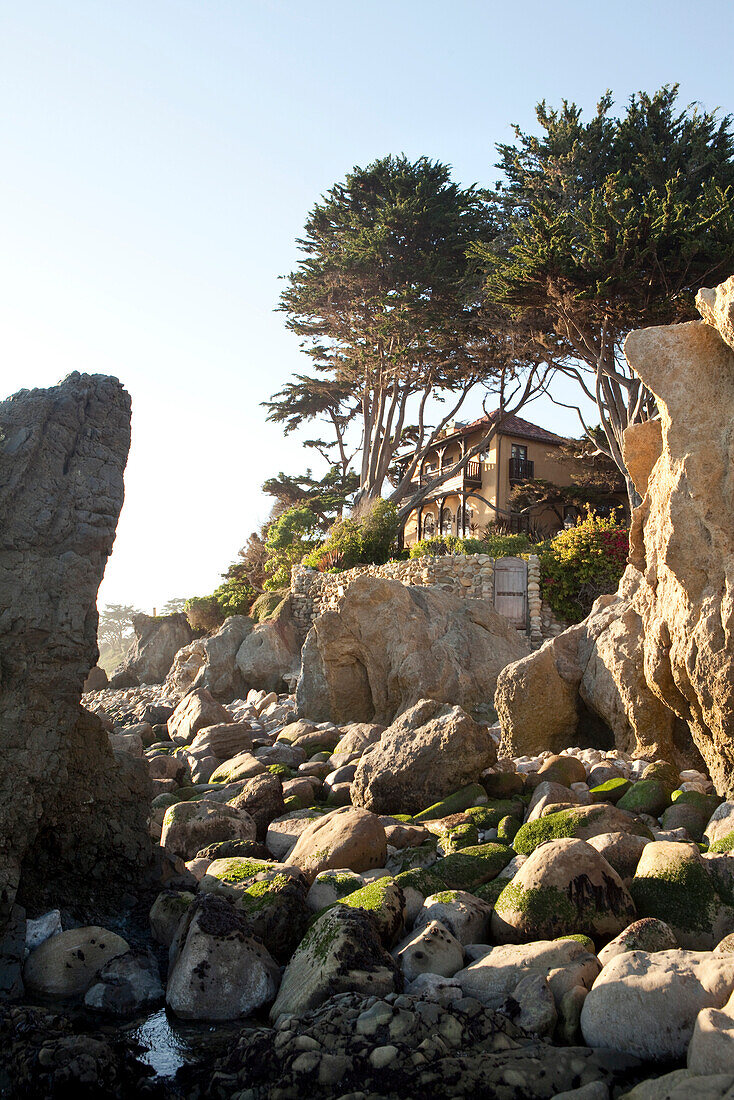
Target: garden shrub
(364, 540)
(266, 604)
(496, 546)
(204, 613)
(582, 563)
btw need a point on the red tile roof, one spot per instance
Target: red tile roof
(512, 425)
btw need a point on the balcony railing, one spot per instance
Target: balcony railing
(472, 473)
(521, 469)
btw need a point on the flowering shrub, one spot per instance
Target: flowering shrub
(582, 563)
(366, 540)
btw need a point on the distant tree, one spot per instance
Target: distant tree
(115, 633)
(326, 497)
(605, 226)
(174, 606)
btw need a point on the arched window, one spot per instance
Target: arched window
(465, 518)
(447, 521)
(429, 525)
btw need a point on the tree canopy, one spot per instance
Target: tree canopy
(604, 226)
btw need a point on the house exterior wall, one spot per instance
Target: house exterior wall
(495, 486)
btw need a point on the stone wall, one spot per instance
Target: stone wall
(470, 576)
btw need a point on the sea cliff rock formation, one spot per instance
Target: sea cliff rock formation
(656, 661)
(158, 638)
(389, 645)
(72, 816)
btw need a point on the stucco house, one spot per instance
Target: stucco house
(479, 494)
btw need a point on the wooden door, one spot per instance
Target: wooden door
(511, 590)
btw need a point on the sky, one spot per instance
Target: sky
(159, 159)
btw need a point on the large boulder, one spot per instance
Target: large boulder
(655, 662)
(219, 969)
(157, 640)
(427, 753)
(196, 711)
(347, 837)
(210, 662)
(387, 645)
(65, 965)
(268, 658)
(73, 818)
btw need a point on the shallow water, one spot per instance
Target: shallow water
(168, 1043)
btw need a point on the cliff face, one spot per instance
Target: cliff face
(62, 455)
(683, 532)
(656, 662)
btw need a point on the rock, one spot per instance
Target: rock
(721, 823)
(681, 1085)
(564, 964)
(564, 887)
(427, 753)
(622, 851)
(283, 832)
(646, 1004)
(269, 656)
(126, 985)
(646, 796)
(548, 795)
(465, 916)
(383, 900)
(130, 743)
(224, 740)
(190, 826)
(276, 909)
(12, 952)
(40, 929)
(219, 970)
(62, 457)
(210, 662)
(389, 645)
(648, 934)
(531, 1006)
(672, 883)
(166, 914)
(196, 711)
(262, 798)
(340, 952)
(96, 680)
(431, 949)
(347, 837)
(65, 965)
(592, 669)
(717, 309)
(356, 738)
(242, 766)
(157, 640)
(711, 1049)
(560, 769)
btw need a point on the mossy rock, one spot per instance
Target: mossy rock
(580, 822)
(646, 796)
(282, 770)
(680, 892)
(490, 891)
(293, 802)
(665, 772)
(611, 791)
(458, 837)
(321, 751)
(472, 795)
(507, 830)
(164, 800)
(723, 845)
(705, 803)
(473, 866)
(421, 879)
(277, 912)
(420, 855)
(489, 816)
(238, 870)
(692, 814)
(404, 819)
(579, 937)
(384, 900)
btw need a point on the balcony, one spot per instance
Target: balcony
(472, 475)
(521, 469)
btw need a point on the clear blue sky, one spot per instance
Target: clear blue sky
(159, 159)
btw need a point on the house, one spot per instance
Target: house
(479, 495)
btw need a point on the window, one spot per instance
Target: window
(520, 453)
(465, 517)
(519, 525)
(429, 525)
(447, 521)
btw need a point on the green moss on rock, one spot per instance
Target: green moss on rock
(489, 816)
(472, 866)
(472, 795)
(611, 791)
(680, 893)
(646, 796)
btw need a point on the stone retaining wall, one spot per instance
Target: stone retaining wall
(470, 576)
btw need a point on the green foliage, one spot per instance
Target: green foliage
(582, 563)
(496, 546)
(265, 604)
(366, 540)
(236, 594)
(289, 538)
(204, 612)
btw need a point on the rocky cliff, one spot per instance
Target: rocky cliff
(656, 662)
(72, 817)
